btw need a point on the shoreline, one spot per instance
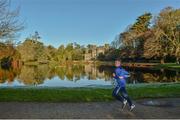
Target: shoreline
(129, 64)
(171, 66)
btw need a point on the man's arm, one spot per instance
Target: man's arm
(125, 73)
(122, 74)
(119, 74)
(115, 76)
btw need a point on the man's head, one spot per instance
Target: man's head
(118, 62)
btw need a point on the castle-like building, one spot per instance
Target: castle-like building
(92, 51)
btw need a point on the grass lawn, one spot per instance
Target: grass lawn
(86, 94)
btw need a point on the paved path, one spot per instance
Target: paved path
(169, 108)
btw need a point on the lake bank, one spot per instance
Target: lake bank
(144, 65)
(89, 94)
(111, 63)
(169, 66)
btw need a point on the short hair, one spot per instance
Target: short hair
(118, 59)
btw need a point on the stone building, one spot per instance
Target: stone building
(92, 51)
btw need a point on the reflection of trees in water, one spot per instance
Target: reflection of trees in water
(51, 73)
(161, 75)
(71, 72)
(35, 75)
(141, 75)
(60, 72)
(158, 76)
(136, 77)
(105, 73)
(8, 75)
(78, 72)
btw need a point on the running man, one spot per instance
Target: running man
(120, 76)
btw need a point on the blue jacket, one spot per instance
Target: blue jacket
(120, 72)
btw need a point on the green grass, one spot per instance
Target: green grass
(168, 65)
(86, 94)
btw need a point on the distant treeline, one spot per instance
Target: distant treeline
(32, 50)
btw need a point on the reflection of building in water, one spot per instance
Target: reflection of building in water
(93, 51)
(35, 75)
(90, 71)
(93, 72)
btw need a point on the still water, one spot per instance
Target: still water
(79, 76)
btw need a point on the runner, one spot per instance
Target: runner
(120, 76)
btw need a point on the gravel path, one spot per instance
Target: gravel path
(169, 108)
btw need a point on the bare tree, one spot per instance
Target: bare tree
(9, 22)
(164, 39)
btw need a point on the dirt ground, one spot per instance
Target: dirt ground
(147, 108)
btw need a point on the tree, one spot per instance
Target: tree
(9, 23)
(101, 57)
(178, 50)
(69, 51)
(165, 38)
(110, 55)
(133, 37)
(77, 52)
(51, 52)
(9, 26)
(157, 39)
(32, 50)
(60, 54)
(156, 48)
(137, 30)
(142, 23)
(36, 36)
(8, 54)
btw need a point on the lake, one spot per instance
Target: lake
(80, 76)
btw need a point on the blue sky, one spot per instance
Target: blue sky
(83, 21)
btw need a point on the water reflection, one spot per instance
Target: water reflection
(37, 75)
(33, 75)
